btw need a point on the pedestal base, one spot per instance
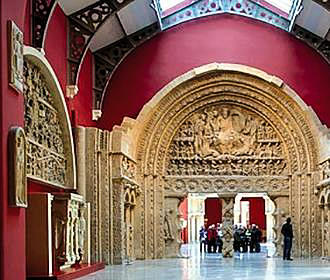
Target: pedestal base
(72, 273)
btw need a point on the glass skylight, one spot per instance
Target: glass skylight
(283, 5)
(167, 4)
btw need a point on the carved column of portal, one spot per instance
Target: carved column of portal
(227, 223)
(172, 228)
(280, 214)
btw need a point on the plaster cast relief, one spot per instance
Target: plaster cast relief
(226, 140)
(17, 168)
(46, 158)
(16, 57)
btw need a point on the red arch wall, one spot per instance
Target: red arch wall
(221, 38)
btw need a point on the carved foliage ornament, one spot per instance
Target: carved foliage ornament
(226, 140)
(46, 159)
(15, 56)
(17, 168)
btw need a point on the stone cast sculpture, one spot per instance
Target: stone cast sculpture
(17, 168)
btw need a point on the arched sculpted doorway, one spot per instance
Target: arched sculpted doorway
(224, 129)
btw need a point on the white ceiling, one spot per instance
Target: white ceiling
(139, 14)
(71, 6)
(314, 18)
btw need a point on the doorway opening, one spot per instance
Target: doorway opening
(255, 210)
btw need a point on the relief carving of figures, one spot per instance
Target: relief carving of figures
(16, 57)
(226, 140)
(46, 157)
(17, 168)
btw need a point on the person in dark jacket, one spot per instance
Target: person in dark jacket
(288, 236)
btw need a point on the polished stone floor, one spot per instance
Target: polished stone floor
(213, 266)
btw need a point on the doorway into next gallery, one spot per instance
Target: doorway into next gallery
(205, 210)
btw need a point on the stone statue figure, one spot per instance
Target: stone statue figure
(17, 167)
(168, 228)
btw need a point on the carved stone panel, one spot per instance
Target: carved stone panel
(17, 168)
(15, 38)
(48, 154)
(226, 140)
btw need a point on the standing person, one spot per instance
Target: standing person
(288, 236)
(202, 239)
(258, 239)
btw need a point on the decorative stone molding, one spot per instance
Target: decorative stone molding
(96, 114)
(71, 91)
(51, 157)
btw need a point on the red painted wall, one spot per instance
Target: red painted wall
(12, 220)
(213, 211)
(219, 38)
(257, 211)
(183, 208)
(82, 104)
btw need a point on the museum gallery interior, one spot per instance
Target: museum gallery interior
(118, 115)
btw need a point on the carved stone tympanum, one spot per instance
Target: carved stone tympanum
(226, 140)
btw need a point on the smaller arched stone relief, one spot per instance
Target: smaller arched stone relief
(226, 140)
(46, 153)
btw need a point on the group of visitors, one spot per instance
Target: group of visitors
(211, 239)
(244, 238)
(247, 237)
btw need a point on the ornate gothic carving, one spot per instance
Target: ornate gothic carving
(47, 156)
(15, 38)
(226, 140)
(17, 168)
(228, 184)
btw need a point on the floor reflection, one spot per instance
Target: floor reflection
(196, 265)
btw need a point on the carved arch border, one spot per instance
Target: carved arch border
(216, 83)
(37, 58)
(265, 95)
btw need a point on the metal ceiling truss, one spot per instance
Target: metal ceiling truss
(83, 24)
(248, 8)
(42, 11)
(321, 45)
(107, 59)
